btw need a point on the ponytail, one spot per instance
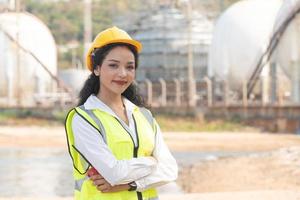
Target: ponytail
(91, 86)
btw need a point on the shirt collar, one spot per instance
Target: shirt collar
(93, 102)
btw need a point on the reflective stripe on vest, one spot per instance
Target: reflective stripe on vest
(80, 164)
(113, 132)
(149, 118)
(154, 198)
(79, 183)
(100, 127)
(96, 120)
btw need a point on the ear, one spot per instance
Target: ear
(97, 71)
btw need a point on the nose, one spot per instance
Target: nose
(122, 72)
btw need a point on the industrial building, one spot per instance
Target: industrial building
(27, 47)
(287, 52)
(166, 34)
(243, 46)
(233, 51)
(239, 39)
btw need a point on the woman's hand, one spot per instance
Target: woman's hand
(104, 186)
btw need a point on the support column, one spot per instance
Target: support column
(209, 91)
(245, 91)
(295, 82)
(163, 91)
(87, 17)
(149, 91)
(191, 79)
(265, 84)
(226, 93)
(245, 99)
(273, 75)
(177, 92)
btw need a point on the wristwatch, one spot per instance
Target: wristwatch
(132, 186)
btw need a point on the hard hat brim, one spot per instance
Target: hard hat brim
(132, 42)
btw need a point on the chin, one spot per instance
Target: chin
(119, 92)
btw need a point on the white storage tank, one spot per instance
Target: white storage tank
(21, 76)
(240, 36)
(287, 53)
(164, 34)
(74, 78)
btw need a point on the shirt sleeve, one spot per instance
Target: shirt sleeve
(91, 144)
(166, 169)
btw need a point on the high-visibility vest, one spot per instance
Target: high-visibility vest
(121, 144)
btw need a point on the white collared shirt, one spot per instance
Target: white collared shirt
(147, 172)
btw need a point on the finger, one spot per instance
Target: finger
(97, 183)
(108, 190)
(115, 188)
(100, 182)
(92, 171)
(103, 187)
(95, 177)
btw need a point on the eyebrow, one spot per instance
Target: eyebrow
(130, 62)
(114, 60)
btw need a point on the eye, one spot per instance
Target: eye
(130, 67)
(113, 65)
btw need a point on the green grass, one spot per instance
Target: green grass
(190, 124)
(28, 117)
(166, 122)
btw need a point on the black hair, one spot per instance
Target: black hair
(92, 84)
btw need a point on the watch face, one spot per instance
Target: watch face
(132, 186)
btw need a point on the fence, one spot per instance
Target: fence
(174, 93)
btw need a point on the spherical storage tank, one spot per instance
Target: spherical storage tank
(165, 36)
(287, 53)
(240, 36)
(21, 76)
(74, 78)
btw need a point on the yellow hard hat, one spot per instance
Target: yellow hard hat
(109, 36)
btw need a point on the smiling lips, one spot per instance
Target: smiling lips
(120, 82)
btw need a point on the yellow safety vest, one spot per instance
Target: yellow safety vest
(119, 142)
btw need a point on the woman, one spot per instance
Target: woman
(115, 144)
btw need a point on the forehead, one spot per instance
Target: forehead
(120, 52)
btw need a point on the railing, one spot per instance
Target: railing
(174, 93)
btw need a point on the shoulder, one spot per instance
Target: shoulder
(79, 122)
(73, 115)
(70, 115)
(145, 110)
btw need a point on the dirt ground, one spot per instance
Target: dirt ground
(277, 170)
(45, 136)
(250, 195)
(272, 172)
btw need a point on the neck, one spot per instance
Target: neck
(112, 100)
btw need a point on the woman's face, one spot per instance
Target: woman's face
(117, 71)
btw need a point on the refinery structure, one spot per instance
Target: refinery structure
(26, 45)
(167, 33)
(188, 59)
